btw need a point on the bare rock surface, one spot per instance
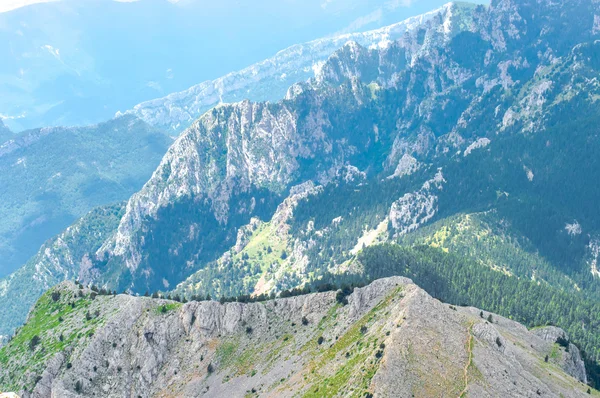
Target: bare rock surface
(391, 339)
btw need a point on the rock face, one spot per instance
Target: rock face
(571, 357)
(391, 339)
(363, 104)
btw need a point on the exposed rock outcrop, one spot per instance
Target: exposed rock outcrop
(391, 339)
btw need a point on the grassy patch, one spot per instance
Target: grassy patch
(51, 325)
(359, 346)
(226, 351)
(167, 307)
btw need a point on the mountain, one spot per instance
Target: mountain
(388, 338)
(74, 62)
(267, 80)
(471, 142)
(5, 133)
(52, 176)
(420, 97)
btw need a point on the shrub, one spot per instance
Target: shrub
(342, 295)
(498, 341)
(55, 296)
(34, 342)
(78, 387)
(304, 321)
(320, 340)
(561, 341)
(210, 368)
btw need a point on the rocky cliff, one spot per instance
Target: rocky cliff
(390, 339)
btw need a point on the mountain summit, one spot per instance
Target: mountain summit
(390, 339)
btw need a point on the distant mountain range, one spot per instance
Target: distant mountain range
(5, 133)
(48, 204)
(267, 80)
(78, 62)
(52, 176)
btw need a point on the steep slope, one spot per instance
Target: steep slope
(390, 339)
(63, 257)
(268, 80)
(245, 150)
(52, 176)
(478, 173)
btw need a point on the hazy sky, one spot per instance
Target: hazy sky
(7, 5)
(80, 61)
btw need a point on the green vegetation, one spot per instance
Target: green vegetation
(168, 307)
(44, 335)
(85, 237)
(55, 176)
(356, 355)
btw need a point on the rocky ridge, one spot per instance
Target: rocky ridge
(390, 339)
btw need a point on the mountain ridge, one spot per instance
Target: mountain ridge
(390, 338)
